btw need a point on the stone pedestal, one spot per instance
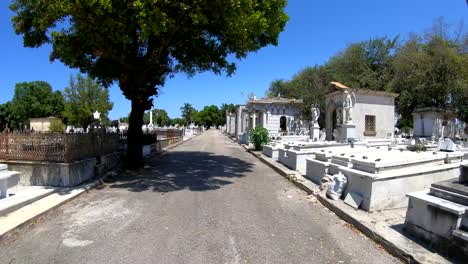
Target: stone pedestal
(463, 172)
(346, 132)
(315, 132)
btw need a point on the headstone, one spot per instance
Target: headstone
(447, 145)
(353, 199)
(323, 135)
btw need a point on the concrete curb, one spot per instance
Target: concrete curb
(368, 230)
(4, 234)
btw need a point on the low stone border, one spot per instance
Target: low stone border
(14, 221)
(406, 254)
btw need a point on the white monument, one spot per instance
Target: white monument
(347, 130)
(359, 114)
(97, 115)
(151, 118)
(314, 127)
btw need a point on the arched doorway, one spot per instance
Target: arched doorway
(283, 124)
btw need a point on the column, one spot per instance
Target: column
(254, 116)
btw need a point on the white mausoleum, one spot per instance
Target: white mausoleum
(372, 114)
(280, 116)
(435, 122)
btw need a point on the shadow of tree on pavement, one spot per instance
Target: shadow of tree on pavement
(182, 170)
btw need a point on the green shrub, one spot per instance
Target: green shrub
(56, 125)
(259, 137)
(417, 148)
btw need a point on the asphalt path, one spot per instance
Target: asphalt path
(206, 201)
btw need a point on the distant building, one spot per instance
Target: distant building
(123, 126)
(280, 116)
(436, 122)
(42, 124)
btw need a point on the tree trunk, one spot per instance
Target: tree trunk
(135, 136)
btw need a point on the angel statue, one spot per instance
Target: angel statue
(315, 114)
(348, 105)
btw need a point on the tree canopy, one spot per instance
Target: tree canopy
(36, 99)
(209, 116)
(430, 69)
(7, 117)
(142, 42)
(84, 96)
(188, 113)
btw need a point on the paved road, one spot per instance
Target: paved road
(208, 201)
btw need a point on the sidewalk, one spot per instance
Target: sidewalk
(385, 227)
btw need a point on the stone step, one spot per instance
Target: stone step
(449, 196)
(460, 234)
(440, 203)
(13, 177)
(22, 196)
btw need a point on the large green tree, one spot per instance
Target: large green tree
(84, 96)
(7, 117)
(188, 113)
(160, 117)
(430, 72)
(230, 108)
(140, 43)
(36, 99)
(209, 116)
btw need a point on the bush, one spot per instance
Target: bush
(259, 137)
(56, 125)
(417, 148)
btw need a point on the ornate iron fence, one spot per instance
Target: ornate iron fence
(56, 147)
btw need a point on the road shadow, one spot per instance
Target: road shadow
(182, 170)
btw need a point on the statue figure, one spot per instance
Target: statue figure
(348, 105)
(315, 114)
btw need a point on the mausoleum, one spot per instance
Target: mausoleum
(280, 116)
(359, 114)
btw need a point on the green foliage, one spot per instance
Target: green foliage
(427, 70)
(178, 121)
(161, 117)
(209, 116)
(141, 43)
(229, 108)
(123, 119)
(84, 96)
(36, 99)
(188, 113)
(430, 72)
(7, 117)
(419, 147)
(259, 137)
(56, 126)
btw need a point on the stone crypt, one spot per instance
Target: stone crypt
(359, 114)
(280, 116)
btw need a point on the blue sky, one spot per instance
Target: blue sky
(316, 30)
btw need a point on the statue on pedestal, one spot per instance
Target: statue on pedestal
(315, 115)
(348, 105)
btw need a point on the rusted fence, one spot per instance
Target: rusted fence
(158, 136)
(56, 147)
